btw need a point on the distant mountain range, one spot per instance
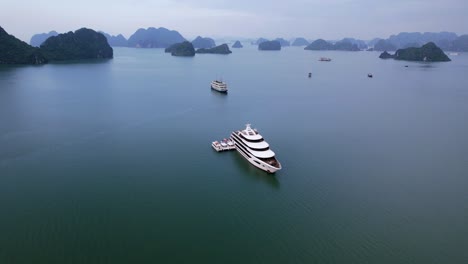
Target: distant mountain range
(444, 40)
(163, 38)
(115, 41)
(321, 44)
(38, 39)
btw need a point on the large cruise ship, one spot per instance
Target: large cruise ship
(219, 86)
(251, 145)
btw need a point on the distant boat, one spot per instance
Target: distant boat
(370, 75)
(219, 86)
(324, 59)
(310, 74)
(453, 54)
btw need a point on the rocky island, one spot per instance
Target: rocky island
(237, 45)
(15, 51)
(259, 41)
(269, 45)
(300, 42)
(221, 49)
(154, 38)
(321, 44)
(428, 52)
(203, 43)
(84, 43)
(183, 49)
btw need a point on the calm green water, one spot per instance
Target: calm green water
(111, 162)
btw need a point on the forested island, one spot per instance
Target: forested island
(183, 49)
(84, 43)
(15, 51)
(428, 52)
(221, 49)
(81, 44)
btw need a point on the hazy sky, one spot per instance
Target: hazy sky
(329, 19)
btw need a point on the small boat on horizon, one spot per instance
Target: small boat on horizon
(219, 86)
(370, 75)
(324, 59)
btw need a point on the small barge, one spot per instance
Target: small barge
(223, 145)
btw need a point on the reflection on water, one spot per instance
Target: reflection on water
(84, 61)
(218, 93)
(250, 171)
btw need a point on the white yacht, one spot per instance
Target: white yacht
(219, 86)
(251, 145)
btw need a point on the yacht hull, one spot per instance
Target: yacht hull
(254, 160)
(218, 90)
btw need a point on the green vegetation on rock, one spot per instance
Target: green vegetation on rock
(428, 52)
(15, 51)
(84, 43)
(184, 49)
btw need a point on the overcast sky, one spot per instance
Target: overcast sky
(328, 19)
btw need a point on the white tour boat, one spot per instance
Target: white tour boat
(251, 145)
(219, 86)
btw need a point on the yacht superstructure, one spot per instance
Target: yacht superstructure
(219, 86)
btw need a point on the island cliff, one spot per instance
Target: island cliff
(221, 49)
(428, 52)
